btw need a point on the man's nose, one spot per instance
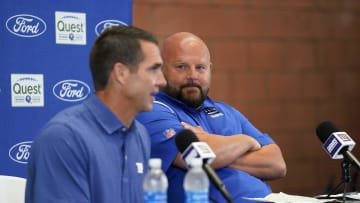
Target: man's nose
(192, 73)
(160, 81)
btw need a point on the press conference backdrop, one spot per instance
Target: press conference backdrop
(44, 49)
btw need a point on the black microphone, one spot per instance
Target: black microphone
(337, 144)
(190, 147)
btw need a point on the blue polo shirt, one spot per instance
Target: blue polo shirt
(85, 154)
(163, 122)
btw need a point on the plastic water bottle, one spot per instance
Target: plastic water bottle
(196, 183)
(155, 183)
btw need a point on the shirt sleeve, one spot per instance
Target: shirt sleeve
(237, 123)
(251, 130)
(58, 161)
(162, 124)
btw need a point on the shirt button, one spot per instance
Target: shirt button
(123, 129)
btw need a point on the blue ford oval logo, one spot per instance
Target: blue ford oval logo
(100, 27)
(71, 90)
(25, 25)
(20, 152)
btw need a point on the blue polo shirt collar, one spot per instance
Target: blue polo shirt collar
(103, 115)
(208, 103)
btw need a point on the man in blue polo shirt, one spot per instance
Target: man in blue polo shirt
(95, 152)
(245, 157)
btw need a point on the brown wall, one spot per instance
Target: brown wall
(286, 64)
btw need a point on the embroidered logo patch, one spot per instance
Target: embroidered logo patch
(213, 112)
(169, 132)
(139, 167)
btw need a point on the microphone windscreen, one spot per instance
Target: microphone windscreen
(325, 129)
(184, 139)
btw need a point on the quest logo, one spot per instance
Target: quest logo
(27, 90)
(71, 90)
(100, 27)
(20, 152)
(25, 25)
(70, 28)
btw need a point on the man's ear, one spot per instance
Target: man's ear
(120, 72)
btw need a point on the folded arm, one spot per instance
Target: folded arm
(266, 163)
(244, 153)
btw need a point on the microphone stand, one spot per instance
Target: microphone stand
(217, 182)
(346, 178)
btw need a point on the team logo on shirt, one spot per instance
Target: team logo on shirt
(212, 112)
(139, 167)
(169, 132)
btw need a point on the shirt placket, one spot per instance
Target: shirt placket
(125, 168)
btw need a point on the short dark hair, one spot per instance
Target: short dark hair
(117, 44)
